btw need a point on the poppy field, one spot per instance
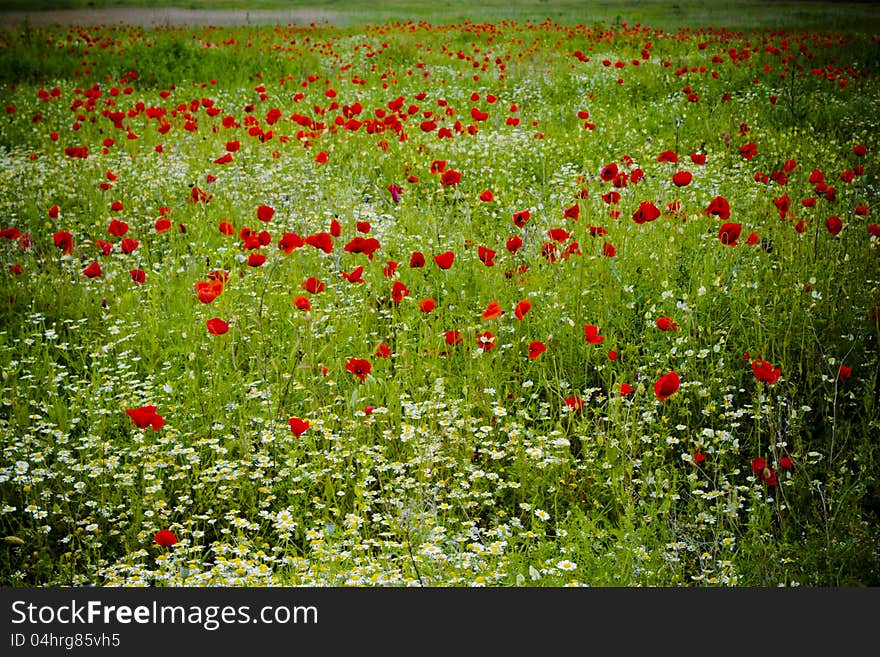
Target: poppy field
(514, 303)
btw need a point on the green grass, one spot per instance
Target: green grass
(447, 465)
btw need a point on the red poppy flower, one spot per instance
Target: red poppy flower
(256, 260)
(146, 416)
(207, 291)
(783, 205)
(226, 228)
(382, 351)
(452, 337)
(698, 158)
(226, 158)
(575, 403)
(667, 385)
(486, 196)
(321, 241)
(450, 177)
(492, 311)
(399, 291)
(312, 285)
(647, 212)
(729, 233)
(298, 426)
(486, 341)
(427, 305)
(748, 150)
(302, 303)
(53, 212)
(765, 372)
(860, 149)
(572, 212)
(444, 260)
(63, 240)
(522, 308)
(844, 372)
(117, 228)
(591, 334)
(139, 276)
(360, 367)
(355, 275)
(625, 389)
(719, 207)
(668, 156)
(682, 178)
(217, 326)
(786, 463)
(558, 234)
(520, 218)
(438, 166)
(608, 172)
(608, 250)
(666, 324)
(549, 251)
(536, 348)
(106, 247)
(289, 242)
(128, 245)
(366, 245)
(165, 538)
(265, 212)
(335, 228)
(834, 225)
(92, 271)
(758, 465)
(389, 268)
(162, 225)
(417, 259)
(752, 238)
(513, 244)
(363, 227)
(486, 255)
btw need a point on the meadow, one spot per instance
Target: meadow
(427, 302)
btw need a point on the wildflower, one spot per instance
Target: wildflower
(217, 326)
(667, 385)
(444, 260)
(360, 367)
(765, 372)
(146, 416)
(536, 348)
(485, 341)
(265, 212)
(729, 233)
(298, 426)
(492, 311)
(591, 334)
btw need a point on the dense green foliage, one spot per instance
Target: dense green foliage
(484, 462)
